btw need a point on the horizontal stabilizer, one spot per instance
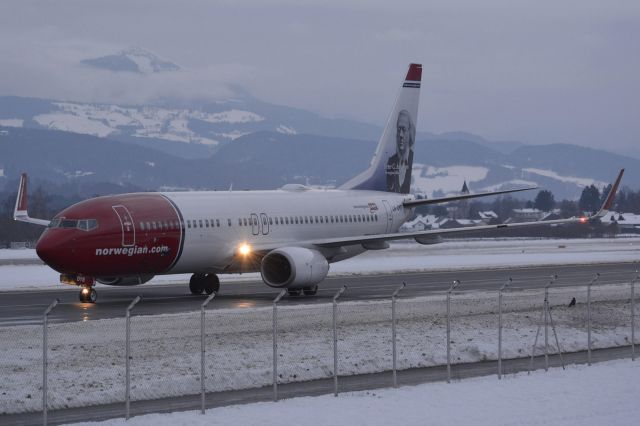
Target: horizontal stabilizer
(413, 203)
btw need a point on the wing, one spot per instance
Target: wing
(381, 238)
(20, 211)
(413, 203)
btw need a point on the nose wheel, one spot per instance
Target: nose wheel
(201, 283)
(88, 295)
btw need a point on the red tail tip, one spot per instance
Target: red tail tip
(414, 73)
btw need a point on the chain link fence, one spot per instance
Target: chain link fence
(256, 347)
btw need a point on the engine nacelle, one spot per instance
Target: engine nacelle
(293, 267)
(124, 281)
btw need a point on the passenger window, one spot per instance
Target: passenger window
(270, 221)
(306, 219)
(142, 226)
(218, 223)
(229, 221)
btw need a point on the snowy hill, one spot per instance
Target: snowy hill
(199, 129)
(263, 160)
(133, 59)
(247, 139)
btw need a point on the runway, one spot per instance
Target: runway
(27, 307)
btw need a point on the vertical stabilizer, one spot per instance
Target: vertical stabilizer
(390, 169)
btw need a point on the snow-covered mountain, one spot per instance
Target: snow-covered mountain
(133, 59)
(254, 144)
(200, 129)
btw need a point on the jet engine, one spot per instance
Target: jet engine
(124, 281)
(293, 267)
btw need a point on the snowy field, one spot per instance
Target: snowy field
(401, 257)
(87, 358)
(603, 394)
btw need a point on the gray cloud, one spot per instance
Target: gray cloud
(533, 71)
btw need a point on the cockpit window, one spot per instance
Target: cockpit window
(82, 224)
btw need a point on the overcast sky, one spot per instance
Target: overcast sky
(533, 71)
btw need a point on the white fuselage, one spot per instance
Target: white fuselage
(217, 223)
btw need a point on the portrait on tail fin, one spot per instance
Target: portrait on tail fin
(398, 169)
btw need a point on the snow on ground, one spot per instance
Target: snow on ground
(446, 179)
(73, 123)
(570, 179)
(509, 184)
(12, 122)
(602, 394)
(165, 357)
(401, 257)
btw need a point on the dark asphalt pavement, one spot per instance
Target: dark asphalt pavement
(27, 307)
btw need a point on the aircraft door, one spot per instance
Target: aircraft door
(387, 209)
(255, 226)
(128, 228)
(265, 223)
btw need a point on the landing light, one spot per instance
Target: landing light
(583, 220)
(85, 291)
(244, 249)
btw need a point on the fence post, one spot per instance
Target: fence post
(454, 285)
(546, 321)
(633, 317)
(589, 316)
(393, 330)
(504, 286)
(275, 343)
(128, 355)
(45, 364)
(203, 350)
(335, 340)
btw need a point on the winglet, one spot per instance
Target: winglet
(20, 212)
(608, 203)
(21, 200)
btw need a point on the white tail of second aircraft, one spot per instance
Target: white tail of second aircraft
(390, 168)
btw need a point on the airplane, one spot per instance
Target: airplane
(290, 235)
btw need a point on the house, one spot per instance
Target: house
(420, 223)
(488, 217)
(627, 222)
(525, 215)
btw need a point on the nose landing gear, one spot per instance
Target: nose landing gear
(200, 283)
(88, 295)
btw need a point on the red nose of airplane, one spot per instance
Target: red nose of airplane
(54, 251)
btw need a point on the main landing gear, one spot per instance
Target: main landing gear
(88, 295)
(307, 291)
(200, 283)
